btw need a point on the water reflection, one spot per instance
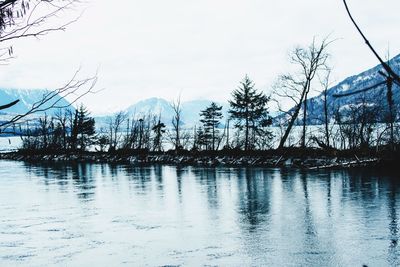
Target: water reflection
(165, 215)
(253, 196)
(393, 221)
(80, 175)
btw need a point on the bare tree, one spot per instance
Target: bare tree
(51, 132)
(325, 83)
(186, 139)
(357, 122)
(297, 86)
(61, 117)
(114, 129)
(176, 123)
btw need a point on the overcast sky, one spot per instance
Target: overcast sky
(197, 48)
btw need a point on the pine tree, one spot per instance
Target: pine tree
(249, 110)
(211, 117)
(83, 129)
(201, 139)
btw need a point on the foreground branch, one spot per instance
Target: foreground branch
(75, 89)
(384, 64)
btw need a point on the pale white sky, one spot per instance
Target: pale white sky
(199, 48)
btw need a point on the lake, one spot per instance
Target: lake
(112, 215)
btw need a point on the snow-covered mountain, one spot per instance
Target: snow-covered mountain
(363, 80)
(156, 106)
(159, 106)
(27, 98)
(191, 109)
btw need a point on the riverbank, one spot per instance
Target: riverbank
(311, 159)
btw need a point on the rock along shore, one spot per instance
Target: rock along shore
(274, 161)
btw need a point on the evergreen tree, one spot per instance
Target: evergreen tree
(201, 139)
(83, 129)
(249, 110)
(211, 117)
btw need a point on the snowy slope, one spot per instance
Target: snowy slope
(27, 99)
(159, 106)
(354, 83)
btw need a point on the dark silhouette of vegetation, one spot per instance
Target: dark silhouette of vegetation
(357, 123)
(175, 136)
(115, 124)
(68, 130)
(353, 127)
(200, 139)
(210, 118)
(83, 129)
(248, 109)
(159, 131)
(391, 77)
(296, 86)
(325, 84)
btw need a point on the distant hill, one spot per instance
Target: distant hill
(190, 109)
(351, 84)
(27, 98)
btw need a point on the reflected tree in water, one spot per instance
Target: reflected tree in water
(141, 177)
(158, 173)
(393, 252)
(207, 177)
(254, 203)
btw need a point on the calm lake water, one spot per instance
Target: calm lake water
(105, 215)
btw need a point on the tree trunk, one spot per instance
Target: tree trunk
(246, 144)
(391, 113)
(213, 138)
(293, 119)
(326, 119)
(303, 138)
(308, 87)
(227, 134)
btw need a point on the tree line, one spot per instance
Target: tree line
(363, 124)
(74, 129)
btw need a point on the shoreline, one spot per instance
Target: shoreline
(267, 159)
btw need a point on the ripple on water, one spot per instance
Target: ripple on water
(133, 222)
(12, 244)
(18, 257)
(216, 256)
(13, 233)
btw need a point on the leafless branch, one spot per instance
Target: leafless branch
(387, 68)
(73, 90)
(24, 19)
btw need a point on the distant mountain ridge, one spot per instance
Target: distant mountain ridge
(27, 98)
(191, 109)
(159, 106)
(377, 96)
